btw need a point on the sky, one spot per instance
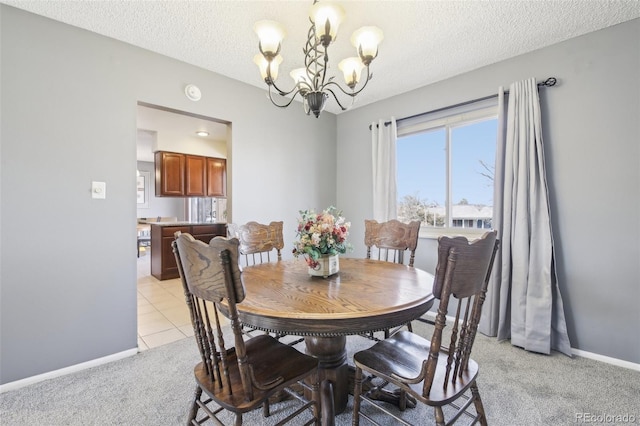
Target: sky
(421, 160)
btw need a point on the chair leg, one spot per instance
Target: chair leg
(477, 401)
(357, 390)
(439, 416)
(327, 409)
(194, 407)
(402, 399)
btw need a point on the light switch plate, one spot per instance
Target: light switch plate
(98, 190)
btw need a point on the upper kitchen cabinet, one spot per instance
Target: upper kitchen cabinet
(170, 174)
(196, 176)
(216, 177)
(184, 175)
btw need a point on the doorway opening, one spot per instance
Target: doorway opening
(163, 316)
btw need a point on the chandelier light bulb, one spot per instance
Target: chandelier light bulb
(268, 69)
(270, 34)
(351, 68)
(326, 18)
(366, 41)
(300, 78)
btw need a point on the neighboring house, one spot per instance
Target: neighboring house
(471, 216)
(462, 216)
(69, 97)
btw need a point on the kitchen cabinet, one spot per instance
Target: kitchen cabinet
(216, 177)
(163, 261)
(170, 173)
(185, 175)
(195, 176)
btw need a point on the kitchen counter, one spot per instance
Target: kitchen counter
(163, 261)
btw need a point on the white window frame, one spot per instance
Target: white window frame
(448, 119)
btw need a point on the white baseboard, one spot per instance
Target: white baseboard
(577, 352)
(67, 370)
(124, 354)
(614, 361)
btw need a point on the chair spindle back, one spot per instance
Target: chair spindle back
(463, 273)
(258, 241)
(210, 275)
(391, 239)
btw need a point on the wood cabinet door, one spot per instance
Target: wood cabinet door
(206, 232)
(170, 172)
(216, 177)
(195, 176)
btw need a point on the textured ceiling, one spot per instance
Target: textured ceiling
(425, 41)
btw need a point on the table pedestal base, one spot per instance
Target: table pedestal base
(332, 354)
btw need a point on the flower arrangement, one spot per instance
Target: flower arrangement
(321, 234)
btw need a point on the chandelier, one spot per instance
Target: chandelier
(312, 82)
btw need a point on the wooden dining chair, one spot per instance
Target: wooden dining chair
(259, 243)
(234, 374)
(390, 241)
(432, 372)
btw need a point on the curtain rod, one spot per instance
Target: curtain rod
(551, 81)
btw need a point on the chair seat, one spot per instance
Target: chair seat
(271, 360)
(403, 354)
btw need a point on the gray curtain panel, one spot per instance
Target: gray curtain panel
(525, 304)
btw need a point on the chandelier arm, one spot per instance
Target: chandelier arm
(281, 92)
(352, 94)
(283, 105)
(338, 101)
(303, 85)
(271, 82)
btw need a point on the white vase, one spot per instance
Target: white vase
(327, 265)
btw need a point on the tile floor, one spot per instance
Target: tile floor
(163, 316)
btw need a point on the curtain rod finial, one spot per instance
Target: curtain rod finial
(551, 81)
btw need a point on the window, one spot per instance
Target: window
(445, 164)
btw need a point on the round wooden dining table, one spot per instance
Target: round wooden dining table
(364, 296)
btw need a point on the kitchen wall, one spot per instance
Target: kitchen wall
(68, 262)
(592, 141)
(160, 206)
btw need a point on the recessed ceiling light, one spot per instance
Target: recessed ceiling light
(202, 133)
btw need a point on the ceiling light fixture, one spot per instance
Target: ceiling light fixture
(312, 82)
(202, 133)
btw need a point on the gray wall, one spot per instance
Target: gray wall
(592, 139)
(160, 206)
(69, 99)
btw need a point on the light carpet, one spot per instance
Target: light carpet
(155, 387)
